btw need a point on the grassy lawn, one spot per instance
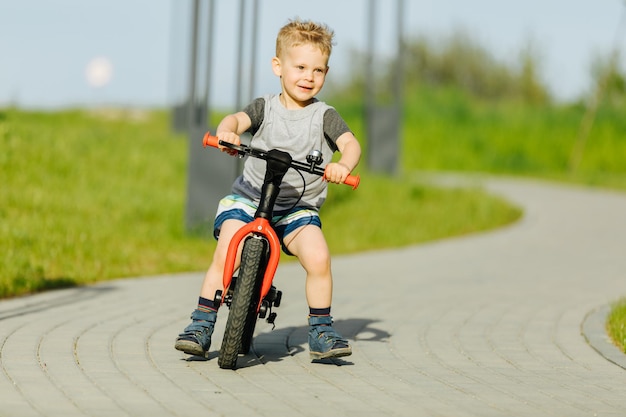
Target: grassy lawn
(90, 196)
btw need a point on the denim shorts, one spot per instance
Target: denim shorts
(240, 208)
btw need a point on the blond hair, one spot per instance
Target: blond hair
(299, 32)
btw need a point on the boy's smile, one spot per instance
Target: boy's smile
(302, 70)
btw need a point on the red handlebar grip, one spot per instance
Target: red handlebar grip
(353, 181)
(209, 140)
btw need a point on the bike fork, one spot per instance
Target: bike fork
(269, 296)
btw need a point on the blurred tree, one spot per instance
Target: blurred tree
(532, 90)
(609, 89)
(459, 61)
(610, 77)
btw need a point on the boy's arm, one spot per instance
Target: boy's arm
(232, 126)
(350, 150)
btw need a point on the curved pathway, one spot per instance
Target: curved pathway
(483, 325)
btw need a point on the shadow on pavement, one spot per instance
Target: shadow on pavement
(275, 345)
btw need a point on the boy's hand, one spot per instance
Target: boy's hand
(336, 172)
(229, 137)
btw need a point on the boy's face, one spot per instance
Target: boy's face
(302, 70)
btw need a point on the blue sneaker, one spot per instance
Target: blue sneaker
(324, 341)
(196, 338)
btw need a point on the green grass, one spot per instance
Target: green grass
(447, 130)
(383, 214)
(616, 324)
(86, 197)
(91, 196)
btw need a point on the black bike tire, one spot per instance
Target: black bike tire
(250, 325)
(251, 319)
(248, 333)
(244, 303)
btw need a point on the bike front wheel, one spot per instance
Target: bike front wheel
(243, 309)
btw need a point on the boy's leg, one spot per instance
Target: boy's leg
(196, 337)
(309, 245)
(214, 278)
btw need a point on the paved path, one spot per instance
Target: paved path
(485, 325)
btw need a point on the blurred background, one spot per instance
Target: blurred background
(71, 53)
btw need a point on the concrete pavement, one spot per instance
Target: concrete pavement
(506, 323)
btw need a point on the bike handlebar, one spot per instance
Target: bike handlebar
(243, 150)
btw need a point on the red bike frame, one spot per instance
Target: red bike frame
(260, 227)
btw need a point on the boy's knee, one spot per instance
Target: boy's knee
(317, 263)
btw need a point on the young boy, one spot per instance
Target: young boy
(296, 122)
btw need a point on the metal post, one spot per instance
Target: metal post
(240, 53)
(209, 174)
(370, 90)
(191, 93)
(209, 53)
(399, 78)
(253, 47)
(382, 121)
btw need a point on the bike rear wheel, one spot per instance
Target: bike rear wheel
(243, 309)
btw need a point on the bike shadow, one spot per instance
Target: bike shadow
(281, 343)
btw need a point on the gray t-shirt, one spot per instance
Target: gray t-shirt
(298, 132)
(334, 125)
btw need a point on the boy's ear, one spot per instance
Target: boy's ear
(276, 67)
